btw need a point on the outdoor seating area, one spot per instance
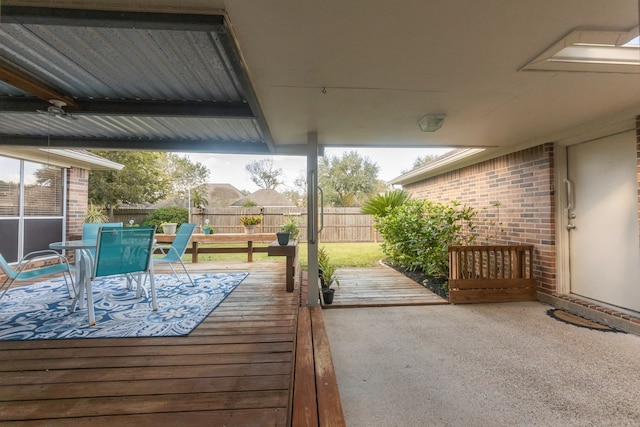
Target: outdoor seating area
(238, 365)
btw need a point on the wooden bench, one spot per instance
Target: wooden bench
(316, 399)
(291, 252)
(491, 273)
(198, 238)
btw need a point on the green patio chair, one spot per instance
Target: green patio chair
(22, 274)
(120, 251)
(175, 252)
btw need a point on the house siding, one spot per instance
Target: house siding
(522, 182)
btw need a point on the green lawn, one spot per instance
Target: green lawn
(341, 254)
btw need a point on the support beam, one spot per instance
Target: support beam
(111, 19)
(33, 87)
(231, 147)
(312, 218)
(209, 109)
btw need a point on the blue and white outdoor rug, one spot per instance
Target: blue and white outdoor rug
(41, 311)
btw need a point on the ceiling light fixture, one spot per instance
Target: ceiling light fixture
(56, 109)
(431, 122)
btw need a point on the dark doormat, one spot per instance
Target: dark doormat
(572, 319)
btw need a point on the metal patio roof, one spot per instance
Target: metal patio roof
(129, 81)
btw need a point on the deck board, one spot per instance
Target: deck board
(378, 287)
(235, 368)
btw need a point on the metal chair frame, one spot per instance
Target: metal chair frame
(175, 252)
(22, 274)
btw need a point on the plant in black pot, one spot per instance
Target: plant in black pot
(327, 276)
(288, 231)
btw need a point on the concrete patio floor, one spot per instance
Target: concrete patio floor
(481, 365)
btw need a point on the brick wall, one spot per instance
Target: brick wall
(77, 199)
(522, 183)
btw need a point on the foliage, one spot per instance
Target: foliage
(142, 180)
(297, 198)
(418, 233)
(381, 205)
(198, 199)
(264, 174)
(95, 215)
(326, 269)
(186, 175)
(421, 161)
(249, 203)
(170, 214)
(347, 180)
(291, 227)
(493, 224)
(250, 220)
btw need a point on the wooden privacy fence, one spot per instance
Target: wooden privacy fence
(340, 224)
(491, 274)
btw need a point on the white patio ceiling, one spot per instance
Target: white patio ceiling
(359, 73)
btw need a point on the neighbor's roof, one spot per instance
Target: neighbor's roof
(265, 198)
(222, 195)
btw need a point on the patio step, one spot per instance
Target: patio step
(316, 399)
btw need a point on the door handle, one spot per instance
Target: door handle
(321, 209)
(569, 186)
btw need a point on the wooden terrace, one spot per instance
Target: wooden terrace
(259, 359)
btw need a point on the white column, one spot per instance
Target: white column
(312, 218)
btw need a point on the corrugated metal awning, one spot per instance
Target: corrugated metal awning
(141, 81)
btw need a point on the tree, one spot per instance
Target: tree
(348, 180)
(142, 180)
(264, 174)
(421, 161)
(187, 176)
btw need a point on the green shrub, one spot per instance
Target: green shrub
(418, 233)
(167, 215)
(381, 204)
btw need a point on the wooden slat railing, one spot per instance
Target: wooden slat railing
(491, 273)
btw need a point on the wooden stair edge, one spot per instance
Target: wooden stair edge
(304, 404)
(330, 412)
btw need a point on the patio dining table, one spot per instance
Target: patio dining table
(83, 267)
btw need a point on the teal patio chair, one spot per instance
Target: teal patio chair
(175, 252)
(90, 231)
(21, 274)
(120, 251)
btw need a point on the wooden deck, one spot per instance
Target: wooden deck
(235, 368)
(239, 367)
(378, 287)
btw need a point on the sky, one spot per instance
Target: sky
(230, 168)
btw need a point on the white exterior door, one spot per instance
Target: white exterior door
(603, 209)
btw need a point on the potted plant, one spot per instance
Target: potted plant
(206, 228)
(250, 222)
(288, 231)
(169, 227)
(327, 275)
